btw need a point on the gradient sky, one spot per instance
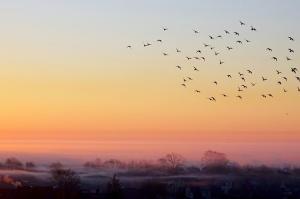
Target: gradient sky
(66, 74)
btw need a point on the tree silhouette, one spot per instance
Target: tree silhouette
(114, 189)
(215, 161)
(176, 161)
(64, 179)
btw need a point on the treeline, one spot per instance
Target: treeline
(212, 162)
(15, 164)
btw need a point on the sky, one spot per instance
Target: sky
(67, 76)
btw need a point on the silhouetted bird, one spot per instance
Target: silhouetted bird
(226, 32)
(269, 49)
(243, 78)
(288, 59)
(165, 54)
(264, 96)
(253, 29)
(264, 79)
(291, 51)
(219, 36)
(241, 74)
(184, 80)
(221, 62)
(195, 68)
(196, 57)
(298, 89)
(244, 86)
(129, 47)
(278, 72)
(183, 85)
(239, 90)
(197, 91)
(195, 31)
(294, 70)
(242, 23)
(198, 51)
(284, 90)
(224, 95)
(188, 58)
(205, 45)
(291, 38)
(239, 97)
(212, 99)
(236, 33)
(210, 37)
(249, 71)
(216, 53)
(285, 78)
(178, 50)
(178, 67)
(203, 58)
(215, 83)
(270, 95)
(279, 82)
(253, 84)
(165, 28)
(247, 40)
(298, 78)
(211, 47)
(229, 48)
(229, 76)
(238, 41)
(159, 40)
(189, 78)
(275, 58)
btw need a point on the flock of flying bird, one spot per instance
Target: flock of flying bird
(243, 86)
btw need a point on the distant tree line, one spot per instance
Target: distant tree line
(13, 163)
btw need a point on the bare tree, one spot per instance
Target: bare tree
(56, 165)
(175, 160)
(214, 161)
(30, 165)
(64, 179)
(13, 163)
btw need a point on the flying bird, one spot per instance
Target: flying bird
(253, 84)
(165, 28)
(270, 95)
(279, 82)
(198, 51)
(241, 74)
(219, 36)
(253, 29)
(226, 32)
(236, 33)
(294, 70)
(216, 53)
(229, 76)
(221, 62)
(264, 96)
(284, 90)
(165, 54)
(239, 41)
(298, 89)
(239, 90)
(243, 78)
(249, 71)
(178, 50)
(215, 83)
(275, 58)
(205, 45)
(288, 59)
(239, 97)
(188, 58)
(291, 51)
(244, 86)
(224, 95)
(195, 69)
(278, 72)
(242, 23)
(269, 49)
(210, 37)
(129, 47)
(291, 39)
(196, 57)
(247, 40)
(183, 85)
(264, 79)
(189, 78)
(285, 78)
(197, 91)
(212, 99)
(178, 67)
(184, 80)
(203, 58)
(195, 31)
(159, 40)
(229, 48)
